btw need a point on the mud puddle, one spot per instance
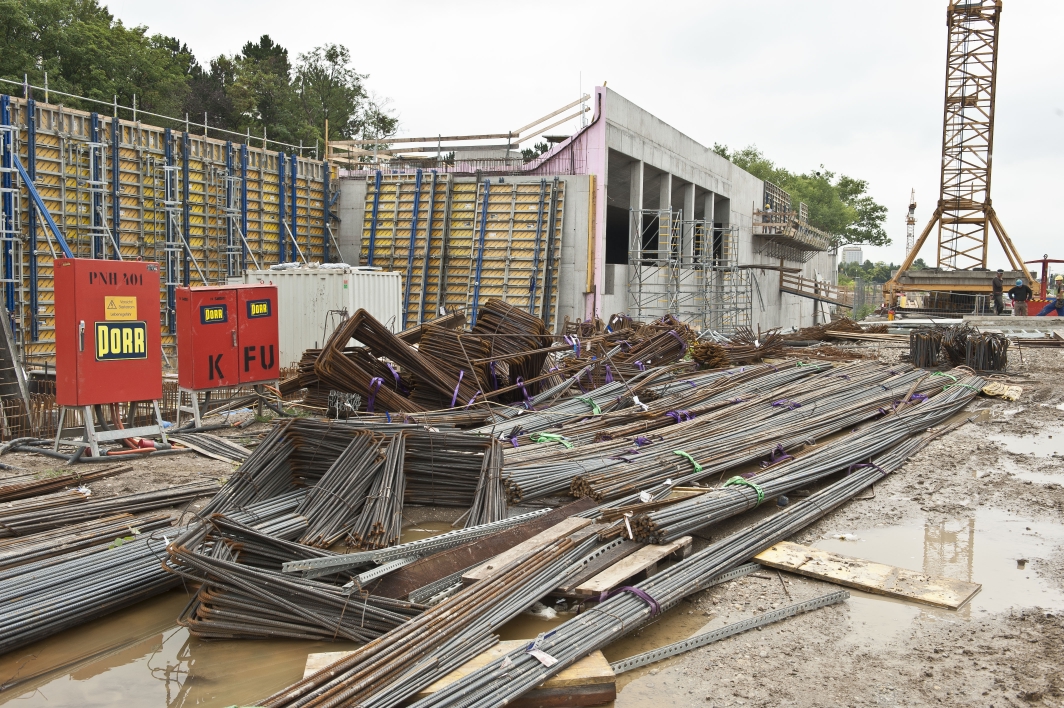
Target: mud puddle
(997, 549)
(1047, 442)
(139, 657)
(424, 529)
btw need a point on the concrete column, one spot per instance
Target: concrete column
(635, 200)
(665, 236)
(710, 202)
(687, 247)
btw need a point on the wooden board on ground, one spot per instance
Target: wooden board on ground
(493, 566)
(587, 682)
(645, 559)
(607, 559)
(871, 577)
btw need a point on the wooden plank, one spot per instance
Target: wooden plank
(587, 682)
(598, 565)
(645, 559)
(866, 575)
(400, 583)
(493, 566)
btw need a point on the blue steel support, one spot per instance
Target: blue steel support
(373, 219)
(295, 211)
(410, 250)
(186, 212)
(535, 256)
(480, 252)
(171, 260)
(281, 197)
(31, 160)
(325, 204)
(7, 208)
(116, 204)
(97, 197)
(228, 204)
(243, 205)
(35, 196)
(430, 224)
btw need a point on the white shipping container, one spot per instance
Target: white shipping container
(311, 300)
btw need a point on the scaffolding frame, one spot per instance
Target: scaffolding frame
(687, 268)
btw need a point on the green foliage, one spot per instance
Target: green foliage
(838, 204)
(533, 152)
(918, 264)
(87, 52)
(870, 272)
(863, 311)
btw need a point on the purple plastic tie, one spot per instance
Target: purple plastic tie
(784, 402)
(860, 465)
(528, 399)
(493, 377)
(473, 398)
(679, 339)
(579, 385)
(918, 397)
(844, 376)
(374, 386)
(680, 416)
(454, 398)
(609, 374)
(642, 440)
(639, 365)
(398, 384)
(655, 608)
(777, 455)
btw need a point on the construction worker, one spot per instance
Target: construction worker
(1020, 295)
(1056, 304)
(998, 286)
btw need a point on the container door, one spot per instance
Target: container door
(258, 340)
(214, 319)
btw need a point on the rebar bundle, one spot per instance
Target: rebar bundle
(739, 494)
(241, 601)
(334, 503)
(36, 483)
(381, 520)
(397, 665)
(747, 348)
(265, 474)
(22, 522)
(925, 346)
(518, 671)
(489, 500)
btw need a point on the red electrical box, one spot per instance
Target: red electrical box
(226, 335)
(107, 334)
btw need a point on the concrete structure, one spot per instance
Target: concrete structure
(628, 178)
(852, 254)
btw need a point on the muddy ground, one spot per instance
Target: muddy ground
(983, 504)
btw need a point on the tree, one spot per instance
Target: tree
(86, 52)
(330, 89)
(263, 94)
(918, 264)
(838, 204)
(535, 151)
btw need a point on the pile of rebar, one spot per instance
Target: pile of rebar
(381, 520)
(334, 503)
(36, 483)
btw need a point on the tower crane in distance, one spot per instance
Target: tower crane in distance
(910, 224)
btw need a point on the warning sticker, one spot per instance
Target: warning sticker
(122, 309)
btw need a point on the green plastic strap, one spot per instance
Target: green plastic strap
(595, 410)
(740, 481)
(951, 377)
(550, 437)
(681, 453)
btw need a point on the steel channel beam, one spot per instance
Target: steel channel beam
(701, 640)
(294, 216)
(244, 206)
(410, 250)
(31, 164)
(7, 218)
(480, 253)
(116, 204)
(281, 240)
(186, 212)
(373, 218)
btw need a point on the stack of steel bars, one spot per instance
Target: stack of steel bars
(518, 671)
(333, 504)
(381, 520)
(399, 664)
(35, 483)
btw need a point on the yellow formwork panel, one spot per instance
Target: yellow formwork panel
(517, 235)
(62, 175)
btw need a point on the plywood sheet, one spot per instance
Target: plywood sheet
(866, 575)
(559, 530)
(643, 559)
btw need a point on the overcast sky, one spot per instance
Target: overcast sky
(855, 86)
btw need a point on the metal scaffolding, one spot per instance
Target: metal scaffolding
(687, 268)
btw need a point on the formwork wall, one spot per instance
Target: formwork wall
(99, 175)
(460, 241)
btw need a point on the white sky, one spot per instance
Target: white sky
(856, 86)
